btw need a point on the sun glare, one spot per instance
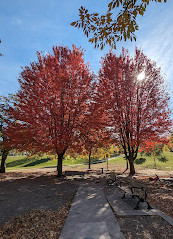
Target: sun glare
(141, 76)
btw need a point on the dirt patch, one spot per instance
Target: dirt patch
(153, 172)
(34, 206)
(36, 224)
(26, 173)
(145, 227)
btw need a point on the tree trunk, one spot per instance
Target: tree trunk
(89, 162)
(4, 157)
(154, 162)
(127, 166)
(59, 165)
(132, 168)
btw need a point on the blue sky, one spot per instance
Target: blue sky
(27, 26)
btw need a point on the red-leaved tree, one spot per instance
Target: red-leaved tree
(94, 134)
(135, 98)
(52, 103)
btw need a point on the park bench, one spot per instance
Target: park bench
(100, 171)
(134, 191)
(74, 173)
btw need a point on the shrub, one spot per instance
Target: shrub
(162, 159)
(140, 160)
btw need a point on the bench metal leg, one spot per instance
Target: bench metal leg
(124, 196)
(137, 205)
(149, 207)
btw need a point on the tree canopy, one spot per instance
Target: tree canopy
(60, 105)
(137, 106)
(118, 23)
(52, 102)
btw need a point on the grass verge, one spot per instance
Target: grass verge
(117, 163)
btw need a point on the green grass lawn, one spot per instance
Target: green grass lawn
(20, 161)
(149, 163)
(24, 162)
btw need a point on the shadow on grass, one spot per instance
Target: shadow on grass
(163, 159)
(39, 161)
(51, 167)
(140, 160)
(18, 162)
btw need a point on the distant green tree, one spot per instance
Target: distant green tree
(109, 28)
(4, 150)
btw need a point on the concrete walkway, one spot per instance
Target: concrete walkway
(90, 216)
